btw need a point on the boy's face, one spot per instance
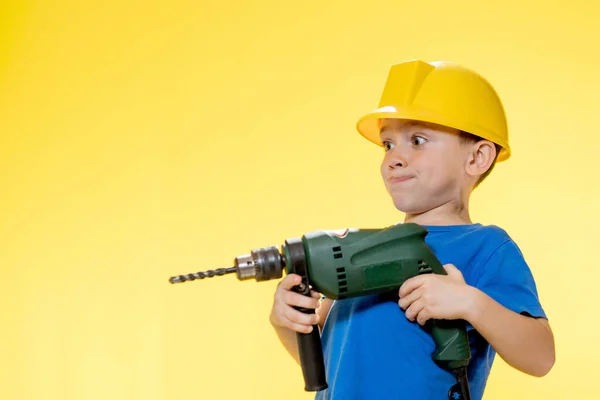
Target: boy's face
(424, 164)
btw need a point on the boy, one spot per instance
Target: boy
(443, 128)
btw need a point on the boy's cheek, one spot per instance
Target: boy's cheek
(385, 182)
(384, 172)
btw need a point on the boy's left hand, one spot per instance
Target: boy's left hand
(433, 296)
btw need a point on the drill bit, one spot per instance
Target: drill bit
(203, 274)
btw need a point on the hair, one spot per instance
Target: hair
(470, 138)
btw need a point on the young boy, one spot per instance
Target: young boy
(442, 128)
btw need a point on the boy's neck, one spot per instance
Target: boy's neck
(446, 214)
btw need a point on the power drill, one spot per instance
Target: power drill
(349, 263)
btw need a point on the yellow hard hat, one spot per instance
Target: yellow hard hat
(442, 93)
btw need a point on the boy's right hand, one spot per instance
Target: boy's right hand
(283, 314)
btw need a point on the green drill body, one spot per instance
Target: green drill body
(357, 262)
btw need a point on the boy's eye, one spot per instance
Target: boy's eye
(387, 145)
(417, 140)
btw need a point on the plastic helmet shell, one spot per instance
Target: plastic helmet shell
(442, 93)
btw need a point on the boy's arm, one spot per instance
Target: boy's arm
(288, 339)
(288, 336)
(525, 343)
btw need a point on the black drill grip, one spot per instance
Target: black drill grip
(310, 349)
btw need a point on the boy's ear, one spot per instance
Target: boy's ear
(481, 158)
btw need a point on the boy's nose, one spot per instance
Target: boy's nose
(396, 160)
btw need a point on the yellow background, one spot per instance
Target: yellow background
(143, 139)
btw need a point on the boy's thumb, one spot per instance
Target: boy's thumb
(451, 270)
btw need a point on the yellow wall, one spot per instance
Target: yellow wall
(145, 139)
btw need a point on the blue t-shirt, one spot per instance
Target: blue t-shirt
(372, 351)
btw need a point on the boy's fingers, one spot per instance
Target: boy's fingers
(299, 300)
(422, 317)
(290, 281)
(295, 326)
(315, 295)
(301, 328)
(414, 310)
(410, 285)
(407, 300)
(298, 317)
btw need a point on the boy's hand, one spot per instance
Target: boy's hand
(434, 296)
(282, 313)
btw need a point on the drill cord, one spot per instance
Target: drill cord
(462, 392)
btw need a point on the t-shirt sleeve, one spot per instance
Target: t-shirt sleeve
(507, 278)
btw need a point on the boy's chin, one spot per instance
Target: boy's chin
(407, 207)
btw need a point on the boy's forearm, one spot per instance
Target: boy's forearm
(289, 341)
(525, 343)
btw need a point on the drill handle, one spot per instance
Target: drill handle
(310, 349)
(452, 343)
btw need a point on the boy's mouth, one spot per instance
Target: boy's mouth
(399, 178)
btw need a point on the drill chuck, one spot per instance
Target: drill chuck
(261, 264)
(268, 264)
(245, 267)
